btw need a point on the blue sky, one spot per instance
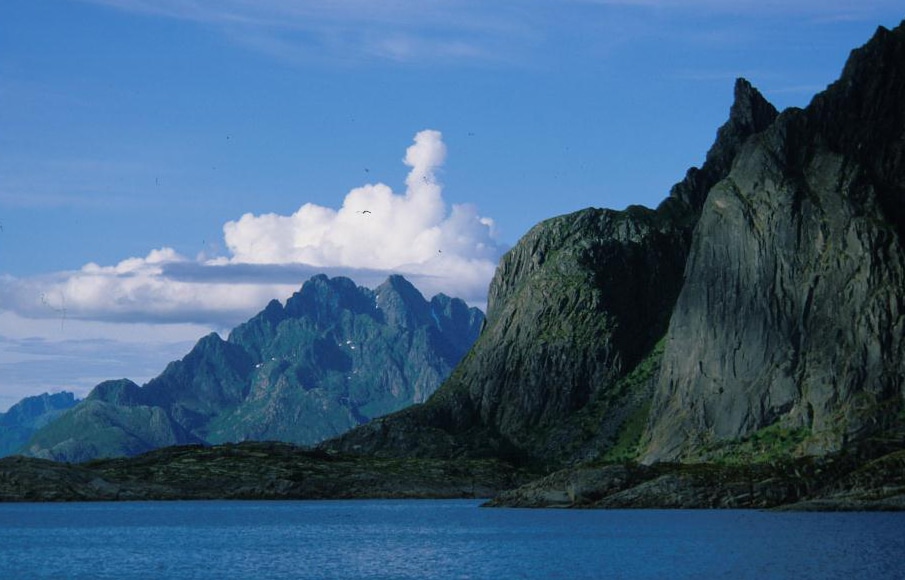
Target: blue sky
(168, 166)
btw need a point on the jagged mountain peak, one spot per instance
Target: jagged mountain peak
(30, 414)
(453, 309)
(749, 114)
(273, 311)
(30, 407)
(865, 100)
(323, 297)
(402, 304)
(862, 115)
(397, 284)
(873, 64)
(118, 392)
(750, 109)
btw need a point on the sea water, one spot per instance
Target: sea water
(438, 539)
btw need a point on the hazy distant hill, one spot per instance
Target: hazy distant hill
(28, 415)
(335, 356)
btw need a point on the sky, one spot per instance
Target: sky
(167, 167)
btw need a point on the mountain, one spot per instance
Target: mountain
(577, 312)
(793, 308)
(741, 345)
(758, 312)
(336, 355)
(21, 420)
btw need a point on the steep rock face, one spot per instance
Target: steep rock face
(750, 114)
(579, 302)
(792, 309)
(576, 304)
(28, 415)
(789, 314)
(210, 378)
(335, 356)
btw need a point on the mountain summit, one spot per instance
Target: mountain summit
(764, 299)
(336, 355)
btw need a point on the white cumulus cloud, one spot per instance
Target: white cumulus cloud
(374, 233)
(450, 249)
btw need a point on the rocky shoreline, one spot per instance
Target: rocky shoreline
(802, 485)
(271, 471)
(251, 470)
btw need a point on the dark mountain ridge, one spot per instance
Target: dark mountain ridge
(792, 306)
(764, 295)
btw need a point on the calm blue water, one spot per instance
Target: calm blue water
(437, 539)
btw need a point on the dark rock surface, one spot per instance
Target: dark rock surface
(251, 470)
(793, 306)
(867, 476)
(335, 356)
(750, 114)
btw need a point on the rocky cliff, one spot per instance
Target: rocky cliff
(581, 302)
(336, 355)
(760, 303)
(792, 308)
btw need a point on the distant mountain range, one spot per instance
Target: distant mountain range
(335, 356)
(28, 415)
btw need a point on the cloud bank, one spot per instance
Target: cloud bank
(374, 233)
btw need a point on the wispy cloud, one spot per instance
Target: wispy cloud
(439, 30)
(462, 31)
